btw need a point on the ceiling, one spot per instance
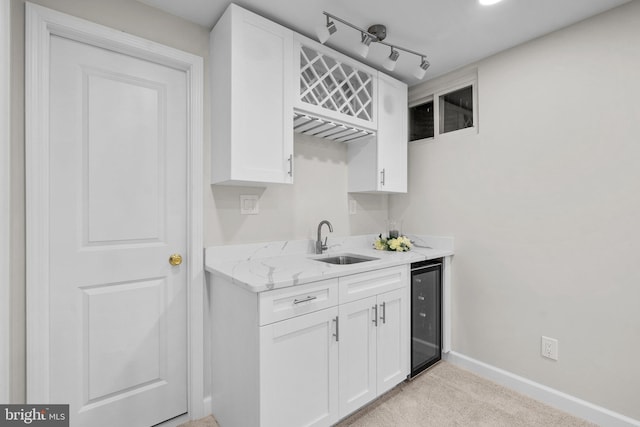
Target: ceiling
(452, 33)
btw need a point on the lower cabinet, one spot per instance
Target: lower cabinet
(305, 358)
(373, 351)
(299, 371)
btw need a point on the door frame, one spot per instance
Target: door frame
(41, 23)
(5, 201)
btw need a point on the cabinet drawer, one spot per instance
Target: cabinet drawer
(293, 301)
(371, 283)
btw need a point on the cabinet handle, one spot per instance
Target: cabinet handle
(420, 298)
(423, 314)
(418, 280)
(290, 159)
(375, 315)
(382, 176)
(337, 334)
(309, 298)
(384, 313)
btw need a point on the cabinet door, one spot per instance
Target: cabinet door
(262, 100)
(392, 134)
(252, 100)
(299, 371)
(393, 340)
(357, 354)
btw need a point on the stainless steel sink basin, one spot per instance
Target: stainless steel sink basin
(344, 259)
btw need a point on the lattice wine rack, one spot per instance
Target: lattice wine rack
(335, 86)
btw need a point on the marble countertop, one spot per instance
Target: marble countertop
(266, 266)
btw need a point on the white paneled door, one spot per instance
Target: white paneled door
(118, 211)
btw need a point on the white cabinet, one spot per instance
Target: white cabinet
(307, 354)
(299, 371)
(268, 82)
(332, 85)
(392, 134)
(274, 354)
(379, 164)
(252, 100)
(392, 355)
(373, 347)
(357, 355)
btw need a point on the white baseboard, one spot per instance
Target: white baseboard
(552, 397)
(207, 406)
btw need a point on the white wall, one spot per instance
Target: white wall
(287, 212)
(544, 204)
(5, 250)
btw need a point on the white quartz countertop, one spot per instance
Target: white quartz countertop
(266, 266)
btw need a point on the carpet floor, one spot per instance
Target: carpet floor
(446, 395)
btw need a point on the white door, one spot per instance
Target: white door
(299, 371)
(392, 358)
(118, 205)
(357, 354)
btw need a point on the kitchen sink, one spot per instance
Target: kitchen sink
(346, 259)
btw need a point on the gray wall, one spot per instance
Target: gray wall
(287, 212)
(544, 203)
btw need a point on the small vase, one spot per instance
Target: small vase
(394, 228)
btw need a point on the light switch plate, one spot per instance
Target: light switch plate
(249, 205)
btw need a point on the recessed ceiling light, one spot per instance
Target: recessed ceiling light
(488, 2)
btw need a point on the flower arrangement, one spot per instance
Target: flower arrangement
(398, 244)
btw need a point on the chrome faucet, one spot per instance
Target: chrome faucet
(319, 245)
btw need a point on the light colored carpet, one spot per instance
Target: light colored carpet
(202, 422)
(446, 395)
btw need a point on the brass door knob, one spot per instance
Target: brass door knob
(175, 259)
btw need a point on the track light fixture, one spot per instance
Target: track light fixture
(422, 68)
(375, 33)
(363, 47)
(325, 31)
(392, 60)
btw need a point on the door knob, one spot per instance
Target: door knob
(175, 259)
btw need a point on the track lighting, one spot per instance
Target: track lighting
(375, 33)
(325, 31)
(392, 60)
(363, 47)
(422, 68)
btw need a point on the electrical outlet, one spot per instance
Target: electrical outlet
(549, 348)
(353, 207)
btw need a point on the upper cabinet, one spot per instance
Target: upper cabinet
(252, 100)
(268, 82)
(379, 164)
(333, 86)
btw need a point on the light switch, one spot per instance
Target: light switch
(249, 205)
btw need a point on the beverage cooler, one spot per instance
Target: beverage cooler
(426, 314)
